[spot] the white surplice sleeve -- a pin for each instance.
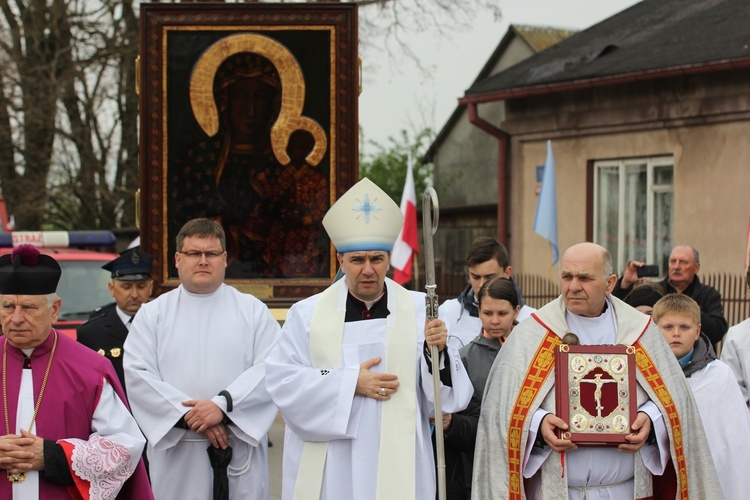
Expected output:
(318, 404)
(253, 410)
(102, 464)
(534, 457)
(156, 403)
(735, 352)
(655, 456)
(455, 397)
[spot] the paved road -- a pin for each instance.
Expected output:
(276, 435)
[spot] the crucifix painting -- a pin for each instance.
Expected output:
(594, 392)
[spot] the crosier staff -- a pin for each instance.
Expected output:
(430, 207)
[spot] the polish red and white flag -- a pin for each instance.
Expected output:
(407, 243)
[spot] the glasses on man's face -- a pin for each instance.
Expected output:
(194, 254)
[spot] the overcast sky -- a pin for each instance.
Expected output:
(397, 95)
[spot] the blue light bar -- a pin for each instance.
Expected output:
(92, 238)
(58, 239)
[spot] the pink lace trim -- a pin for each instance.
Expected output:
(104, 464)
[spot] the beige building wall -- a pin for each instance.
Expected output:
(702, 120)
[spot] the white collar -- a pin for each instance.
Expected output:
(125, 318)
(370, 303)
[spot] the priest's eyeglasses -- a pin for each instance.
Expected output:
(195, 254)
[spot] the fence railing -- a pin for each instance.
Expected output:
(538, 290)
(734, 296)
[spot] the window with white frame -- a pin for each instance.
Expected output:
(633, 209)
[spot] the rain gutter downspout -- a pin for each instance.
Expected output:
(502, 170)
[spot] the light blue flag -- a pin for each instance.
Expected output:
(545, 222)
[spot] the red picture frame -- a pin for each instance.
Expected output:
(304, 59)
(595, 393)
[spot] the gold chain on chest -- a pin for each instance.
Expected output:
(19, 478)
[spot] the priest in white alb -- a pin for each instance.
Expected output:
(519, 453)
(351, 374)
(194, 369)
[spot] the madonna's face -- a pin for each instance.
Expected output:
(251, 109)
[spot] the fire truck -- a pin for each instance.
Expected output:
(83, 284)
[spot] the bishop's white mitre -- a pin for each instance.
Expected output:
(364, 218)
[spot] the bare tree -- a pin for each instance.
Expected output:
(68, 113)
(98, 160)
(36, 40)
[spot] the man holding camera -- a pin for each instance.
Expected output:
(684, 264)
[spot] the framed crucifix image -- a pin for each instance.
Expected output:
(248, 117)
(596, 392)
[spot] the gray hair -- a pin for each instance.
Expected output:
(696, 254)
(50, 298)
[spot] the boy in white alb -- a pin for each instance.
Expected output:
(725, 417)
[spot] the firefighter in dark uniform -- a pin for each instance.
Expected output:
(130, 286)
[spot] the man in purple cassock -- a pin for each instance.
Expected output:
(66, 430)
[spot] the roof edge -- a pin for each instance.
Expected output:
(687, 69)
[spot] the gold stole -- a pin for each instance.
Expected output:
(539, 369)
(397, 452)
(653, 377)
